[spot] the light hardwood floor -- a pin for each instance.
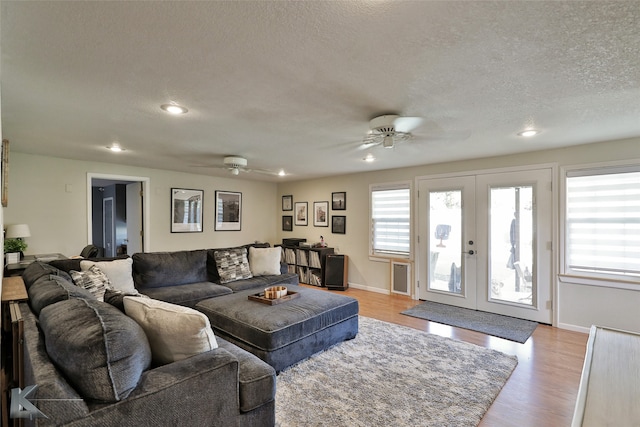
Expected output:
(542, 390)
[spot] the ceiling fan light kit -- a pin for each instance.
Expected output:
(389, 129)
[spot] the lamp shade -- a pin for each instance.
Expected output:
(17, 231)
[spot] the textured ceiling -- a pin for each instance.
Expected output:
(293, 85)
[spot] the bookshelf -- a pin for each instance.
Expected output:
(308, 263)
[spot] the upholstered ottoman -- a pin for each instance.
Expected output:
(285, 333)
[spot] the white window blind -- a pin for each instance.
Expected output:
(391, 221)
(603, 221)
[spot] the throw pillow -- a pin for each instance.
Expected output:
(265, 261)
(118, 272)
(101, 351)
(175, 332)
(93, 280)
(51, 289)
(232, 264)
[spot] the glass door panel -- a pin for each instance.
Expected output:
(511, 244)
(445, 252)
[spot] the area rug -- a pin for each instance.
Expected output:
(506, 327)
(391, 375)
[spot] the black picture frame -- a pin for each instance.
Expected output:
(228, 211)
(339, 224)
(287, 222)
(320, 214)
(301, 214)
(287, 202)
(186, 210)
(339, 201)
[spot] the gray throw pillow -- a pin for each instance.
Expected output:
(232, 264)
(51, 289)
(100, 350)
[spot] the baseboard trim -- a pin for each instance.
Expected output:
(574, 328)
(370, 288)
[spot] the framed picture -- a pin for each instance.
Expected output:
(339, 201)
(287, 203)
(339, 224)
(228, 211)
(287, 222)
(186, 210)
(5, 172)
(321, 214)
(301, 213)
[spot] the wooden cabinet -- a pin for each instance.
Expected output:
(308, 263)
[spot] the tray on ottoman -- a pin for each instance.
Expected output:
(260, 298)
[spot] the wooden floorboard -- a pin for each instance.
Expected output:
(542, 389)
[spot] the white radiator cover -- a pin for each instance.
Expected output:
(401, 277)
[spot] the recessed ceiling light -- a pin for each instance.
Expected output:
(282, 173)
(528, 133)
(174, 108)
(370, 158)
(116, 148)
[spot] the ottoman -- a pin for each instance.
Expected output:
(285, 333)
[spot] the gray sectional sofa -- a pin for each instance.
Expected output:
(94, 364)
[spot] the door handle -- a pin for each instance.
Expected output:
(470, 252)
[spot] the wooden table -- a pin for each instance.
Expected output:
(17, 268)
(610, 385)
(13, 292)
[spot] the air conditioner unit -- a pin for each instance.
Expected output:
(401, 277)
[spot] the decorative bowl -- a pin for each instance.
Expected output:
(275, 292)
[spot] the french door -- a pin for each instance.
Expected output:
(484, 242)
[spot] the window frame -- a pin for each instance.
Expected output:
(582, 276)
(386, 256)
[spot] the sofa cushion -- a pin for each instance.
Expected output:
(51, 289)
(158, 269)
(93, 280)
(174, 332)
(261, 282)
(264, 261)
(69, 264)
(37, 269)
(101, 351)
(232, 264)
(118, 271)
(187, 295)
(212, 268)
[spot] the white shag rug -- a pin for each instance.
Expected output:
(392, 375)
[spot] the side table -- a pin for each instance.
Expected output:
(13, 292)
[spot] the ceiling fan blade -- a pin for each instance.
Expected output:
(407, 124)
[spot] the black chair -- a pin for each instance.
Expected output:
(90, 251)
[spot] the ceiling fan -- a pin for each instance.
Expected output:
(237, 164)
(390, 129)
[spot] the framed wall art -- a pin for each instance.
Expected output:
(339, 201)
(339, 224)
(186, 210)
(321, 214)
(287, 203)
(301, 213)
(228, 211)
(287, 223)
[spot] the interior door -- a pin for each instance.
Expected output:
(485, 242)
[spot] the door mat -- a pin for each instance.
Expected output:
(510, 328)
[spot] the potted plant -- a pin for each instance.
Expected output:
(13, 248)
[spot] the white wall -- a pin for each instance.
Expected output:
(49, 194)
(579, 305)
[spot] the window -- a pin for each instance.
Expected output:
(391, 220)
(603, 222)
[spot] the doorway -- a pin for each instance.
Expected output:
(117, 213)
(485, 242)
